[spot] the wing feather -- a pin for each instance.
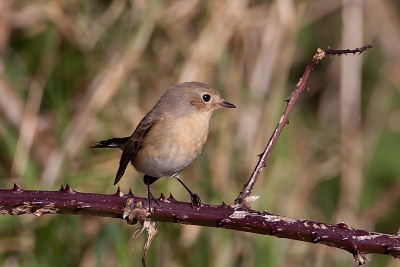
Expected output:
(135, 142)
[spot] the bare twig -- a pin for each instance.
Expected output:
(301, 85)
(349, 51)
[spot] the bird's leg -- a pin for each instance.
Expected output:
(195, 199)
(150, 197)
(148, 180)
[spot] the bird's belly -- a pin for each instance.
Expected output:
(164, 165)
(167, 154)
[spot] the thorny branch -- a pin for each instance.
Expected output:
(67, 201)
(237, 216)
(301, 85)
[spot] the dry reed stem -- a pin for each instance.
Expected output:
(31, 114)
(387, 34)
(11, 105)
(103, 87)
(318, 10)
(350, 115)
(272, 42)
(96, 27)
(207, 49)
(381, 206)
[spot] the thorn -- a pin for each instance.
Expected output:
(343, 225)
(316, 238)
(223, 222)
(130, 192)
(179, 219)
(398, 233)
(68, 189)
(171, 197)
(223, 204)
(119, 192)
(287, 100)
(162, 197)
(308, 88)
(16, 188)
(329, 47)
(287, 123)
(62, 187)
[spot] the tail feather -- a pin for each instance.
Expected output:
(112, 143)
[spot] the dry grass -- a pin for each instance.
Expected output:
(74, 72)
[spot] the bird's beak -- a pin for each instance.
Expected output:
(226, 104)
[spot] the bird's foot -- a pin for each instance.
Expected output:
(196, 201)
(150, 197)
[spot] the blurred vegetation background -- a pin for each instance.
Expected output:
(75, 72)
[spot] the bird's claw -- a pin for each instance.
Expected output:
(196, 200)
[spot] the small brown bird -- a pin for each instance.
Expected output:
(171, 136)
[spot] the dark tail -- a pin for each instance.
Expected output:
(111, 143)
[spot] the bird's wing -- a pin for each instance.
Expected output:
(135, 143)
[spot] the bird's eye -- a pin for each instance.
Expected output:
(206, 97)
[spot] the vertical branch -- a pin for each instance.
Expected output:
(262, 163)
(301, 85)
